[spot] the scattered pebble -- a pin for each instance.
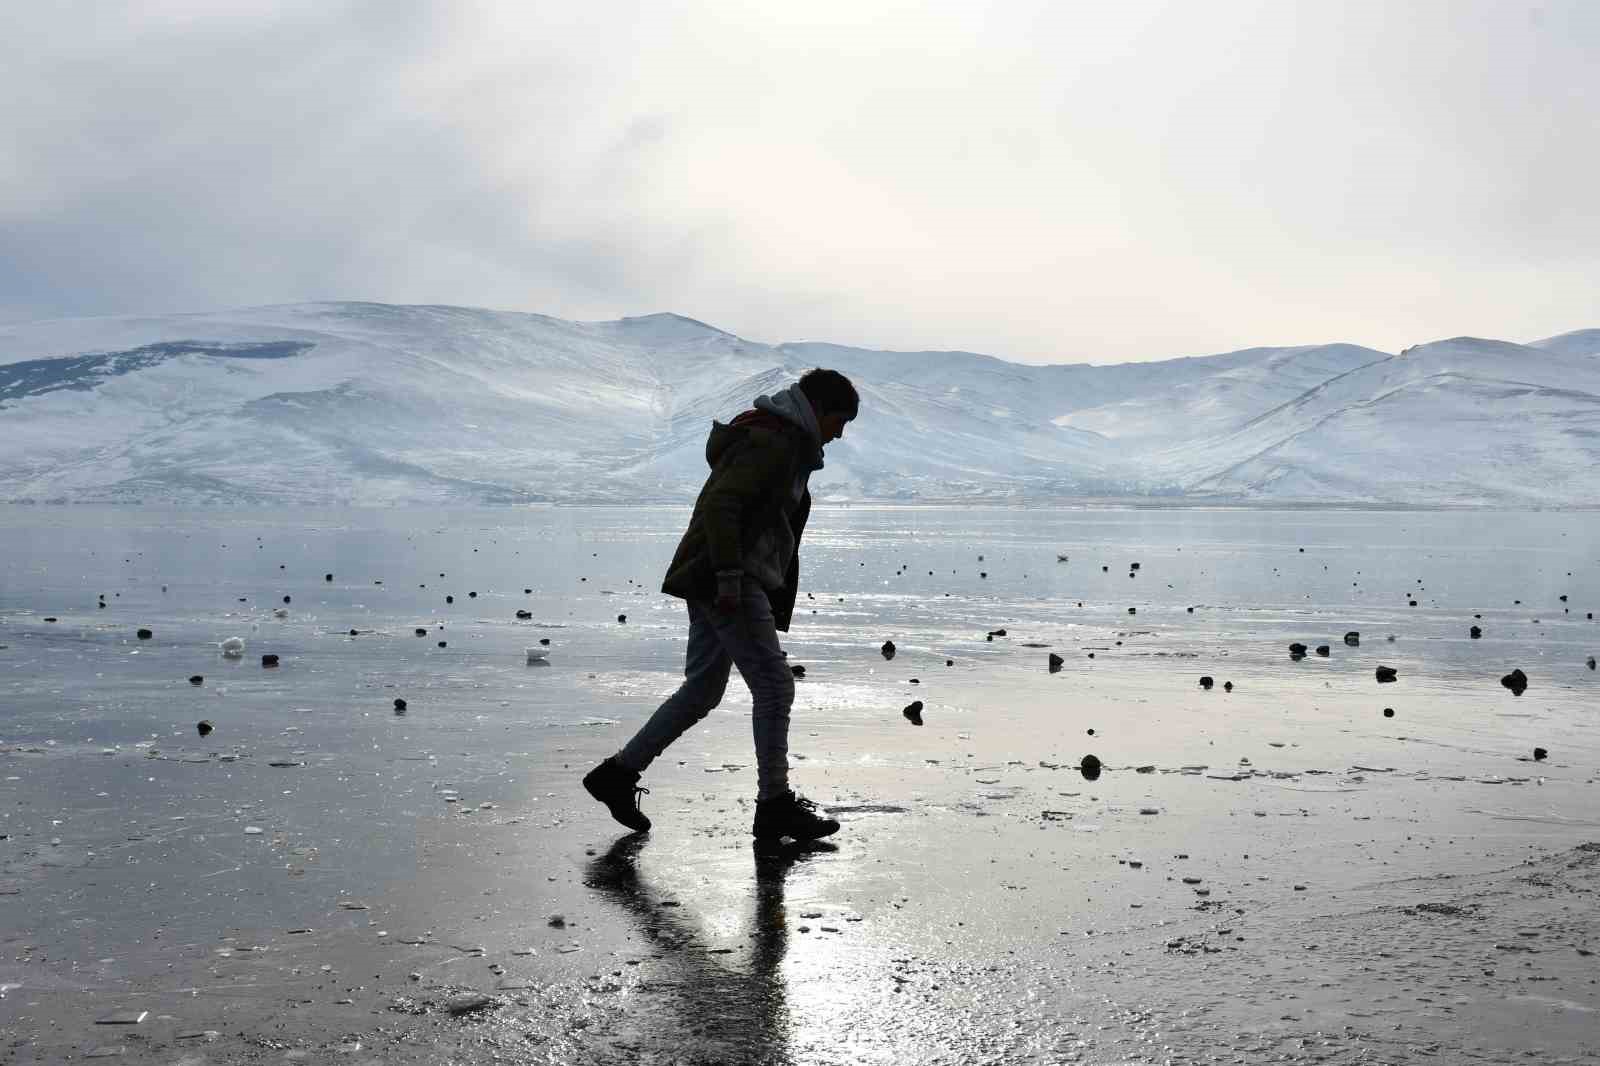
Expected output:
(913, 712)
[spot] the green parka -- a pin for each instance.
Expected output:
(754, 463)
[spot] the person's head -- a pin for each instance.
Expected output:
(833, 399)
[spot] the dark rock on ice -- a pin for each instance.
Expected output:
(1227, 686)
(327, 577)
(1133, 610)
(204, 727)
(1516, 681)
(913, 712)
(1206, 682)
(444, 644)
(1589, 662)
(399, 705)
(797, 670)
(1324, 651)
(1089, 768)
(544, 640)
(449, 599)
(997, 632)
(524, 616)
(52, 618)
(1353, 639)
(887, 649)
(144, 634)
(622, 618)
(419, 631)
(1540, 755)
(472, 595)
(1056, 662)
(1133, 566)
(286, 599)
(1388, 712)
(1297, 651)
(354, 633)
(1475, 633)
(269, 660)
(1386, 674)
(197, 679)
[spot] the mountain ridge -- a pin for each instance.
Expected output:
(368, 403)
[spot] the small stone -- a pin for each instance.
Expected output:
(1475, 633)
(204, 727)
(419, 631)
(449, 599)
(887, 649)
(797, 670)
(1055, 663)
(327, 577)
(1149, 810)
(1388, 712)
(197, 679)
(524, 616)
(399, 705)
(467, 1002)
(1090, 767)
(1206, 682)
(269, 661)
(1386, 674)
(144, 634)
(354, 633)
(1227, 686)
(472, 595)
(952, 662)
(1516, 681)
(622, 618)
(1133, 610)
(913, 712)
(1297, 651)
(444, 644)
(557, 921)
(1589, 662)
(1353, 639)
(1324, 651)
(1540, 755)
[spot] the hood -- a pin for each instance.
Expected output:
(786, 411)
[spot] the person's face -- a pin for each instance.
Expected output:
(832, 427)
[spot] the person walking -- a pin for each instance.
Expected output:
(738, 567)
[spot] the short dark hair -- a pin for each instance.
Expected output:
(830, 393)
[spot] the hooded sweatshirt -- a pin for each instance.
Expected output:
(768, 556)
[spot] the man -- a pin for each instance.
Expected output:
(739, 569)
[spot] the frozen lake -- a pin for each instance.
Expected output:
(144, 861)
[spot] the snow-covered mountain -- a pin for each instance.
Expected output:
(371, 403)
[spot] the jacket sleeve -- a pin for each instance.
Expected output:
(741, 483)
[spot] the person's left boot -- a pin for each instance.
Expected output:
(790, 815)
(618, 788)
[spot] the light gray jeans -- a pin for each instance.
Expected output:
(717, 642)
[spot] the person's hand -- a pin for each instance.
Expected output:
(728, 591)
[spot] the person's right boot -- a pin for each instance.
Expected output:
(790, 815)
(618, 788)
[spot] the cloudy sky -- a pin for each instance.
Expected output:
(1044, 181)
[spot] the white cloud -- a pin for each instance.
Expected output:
(1039, 180)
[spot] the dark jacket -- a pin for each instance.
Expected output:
(754, 463)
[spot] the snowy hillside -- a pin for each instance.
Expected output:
(373, 404)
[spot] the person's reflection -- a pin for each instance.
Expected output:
(714, 1010)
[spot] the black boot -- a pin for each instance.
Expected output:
(790, 815)
(618, 788)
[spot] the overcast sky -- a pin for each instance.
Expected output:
(1048, 182)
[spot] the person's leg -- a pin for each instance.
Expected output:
(705, 677)
(751, 640)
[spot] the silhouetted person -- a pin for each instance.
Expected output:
(739, 569)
